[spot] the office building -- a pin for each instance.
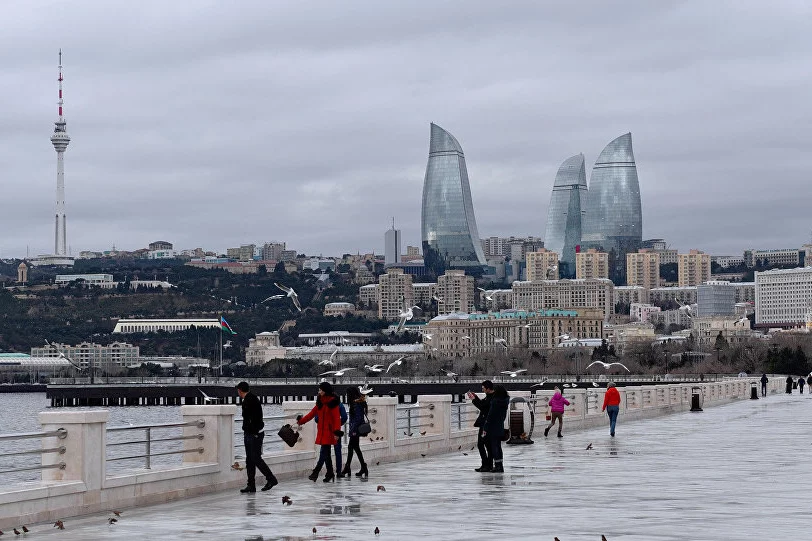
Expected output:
(784, 297)
(455, 292)
(613, 222)
(564, 294)
(715, 298)
(391, 240)
(449, 232)
(565, 213)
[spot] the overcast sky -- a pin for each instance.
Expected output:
(215, 124)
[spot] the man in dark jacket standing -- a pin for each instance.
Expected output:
(483, 405)
(253, 434)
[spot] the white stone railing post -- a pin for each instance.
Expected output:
(382, 418)
(218, 435)
(438, 409)
(85, 446)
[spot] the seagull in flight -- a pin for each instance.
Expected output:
(326, 362)
(290, 293)
(528, 325)
(501, 341)
(337, 373)
(436, 298)
(365, 389)
(514, 373)
(427, 336)
(449, 373)
(406, 315)
(539, 384)
(227, 344)
(272, 298)
(374, 368)
(465, 337)
(396, 362)
(487, 293)
(208, 399)
(607, 366)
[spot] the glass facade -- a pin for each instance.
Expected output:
(565, 213)
(450, 236)
(613, 221)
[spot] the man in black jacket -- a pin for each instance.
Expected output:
(483, 405)
(253, 434)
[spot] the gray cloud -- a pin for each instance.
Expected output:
(213, 124)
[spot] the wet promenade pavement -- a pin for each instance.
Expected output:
(739, 471)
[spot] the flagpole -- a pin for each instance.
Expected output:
(221, 346)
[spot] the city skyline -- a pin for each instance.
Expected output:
(306, 124)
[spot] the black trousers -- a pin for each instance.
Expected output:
(484, 449)
(354, 447)
(253, 458)
(495, 440)
(325, 457)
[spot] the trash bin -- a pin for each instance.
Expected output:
(753, 390)
(696, 398)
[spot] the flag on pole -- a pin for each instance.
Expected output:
(224, 326)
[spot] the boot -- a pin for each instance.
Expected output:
(270, 482)
(559, 435)
(497, 467)
(248, 489)
(314, 475)
(329, 476)
(345, 472)
(485, 467)
(546, 431)
(363, 472)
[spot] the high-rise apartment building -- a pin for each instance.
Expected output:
(394, 293)
(542, 265)
(643, 268)
(449, 231)
(392, 249)
(591, 264)
(693, 268)
(455, 292)
(613, 222)
(272, 251)
(565, 212)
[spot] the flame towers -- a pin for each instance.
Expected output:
(449, 232)
(565, 213)
(613, 221)
(60, 140)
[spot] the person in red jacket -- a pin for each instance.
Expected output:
(328, 429)
(611, 405)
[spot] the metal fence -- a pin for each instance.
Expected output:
(166, 443)
(14, 451)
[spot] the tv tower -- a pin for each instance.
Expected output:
(60, 140)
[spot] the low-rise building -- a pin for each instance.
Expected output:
(681, 295)
(565, 294)
(631, 294)
(706, 330)
(263, 348)
(88, 355)
(126, 326)
(98, 280)
(336, 338)
(470, 335)
(338, 308)
(642, 312)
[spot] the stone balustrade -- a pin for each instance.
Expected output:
(84, 486)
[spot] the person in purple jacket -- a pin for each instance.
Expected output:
(557, 403)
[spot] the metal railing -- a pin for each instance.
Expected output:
(407, 418)
(60, 433)
(148, 441)
(463, 415)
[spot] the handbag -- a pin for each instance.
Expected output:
(364, 428)
(289, 435)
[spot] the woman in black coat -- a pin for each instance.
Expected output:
(789, 384)
(494, 426)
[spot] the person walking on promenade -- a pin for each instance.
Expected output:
(764, 381)
(328, 429)
(809, 382)
(342, 414)
(557, 403)
(611, 405)
(801, 383)
(357, 403)
(494, 427)
(483, 405)
(789, 384)
(253, 433)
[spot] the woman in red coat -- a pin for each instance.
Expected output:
(328, 428)
(611, 405)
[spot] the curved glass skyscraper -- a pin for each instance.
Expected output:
(450, 236)
(614, 222)
(564, 215)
